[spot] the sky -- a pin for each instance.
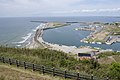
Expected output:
(42, 8)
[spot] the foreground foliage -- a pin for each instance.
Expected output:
(10, 72)
(115, 70)
(60, 60)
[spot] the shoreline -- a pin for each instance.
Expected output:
(93, 37)
(38, 42)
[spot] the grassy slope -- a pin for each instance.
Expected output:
(8, 72)
(58, 60)
(38, 56)
(109, 57)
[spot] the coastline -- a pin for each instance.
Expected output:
(102, 34)
(38, 42)
(34, 43)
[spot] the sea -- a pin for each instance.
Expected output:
(18, 31)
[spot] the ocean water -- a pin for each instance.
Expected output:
(15, 31)
(18, 31)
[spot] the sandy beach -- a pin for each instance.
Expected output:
(38, 42)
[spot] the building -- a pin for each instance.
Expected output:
(86, 56)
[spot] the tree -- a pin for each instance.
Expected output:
(114, 70)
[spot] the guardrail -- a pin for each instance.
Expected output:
(44, 69)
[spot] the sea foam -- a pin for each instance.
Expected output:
(25, 38)
(29, 34)
(18, 45)
(38, 27)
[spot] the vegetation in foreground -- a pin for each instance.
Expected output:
(8, 72)
(63, 61)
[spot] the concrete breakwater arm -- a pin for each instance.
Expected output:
(37, 34)
(35, 43)
(38, 42)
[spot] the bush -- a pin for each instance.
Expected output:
(114, 71)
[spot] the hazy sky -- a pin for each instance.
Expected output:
(35, 8)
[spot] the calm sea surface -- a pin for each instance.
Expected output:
(17, 31)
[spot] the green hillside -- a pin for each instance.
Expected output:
(57, 59)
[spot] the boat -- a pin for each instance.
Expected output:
(93, 42)
(76, 29)
(98, 42)
(85, 41)
(108, 43)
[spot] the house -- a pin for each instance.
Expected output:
(86, 56)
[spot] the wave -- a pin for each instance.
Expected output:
(25, 38)
(38, 27)
(29, 34)
(18, 45)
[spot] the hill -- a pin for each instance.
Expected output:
(63, 61)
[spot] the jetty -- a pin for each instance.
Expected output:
(39, 21)
(38, 42)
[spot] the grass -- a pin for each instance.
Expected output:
(117, 58)
(109, 53)
(50, 58)
(95, 40)
(60, 60)
(90, 40)
(8, 72)
(113, 28)
(106, 60)
(100, 36)
(109, 57)
(117, 29)
(38, 56)
(60, 24)
(11, 73)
